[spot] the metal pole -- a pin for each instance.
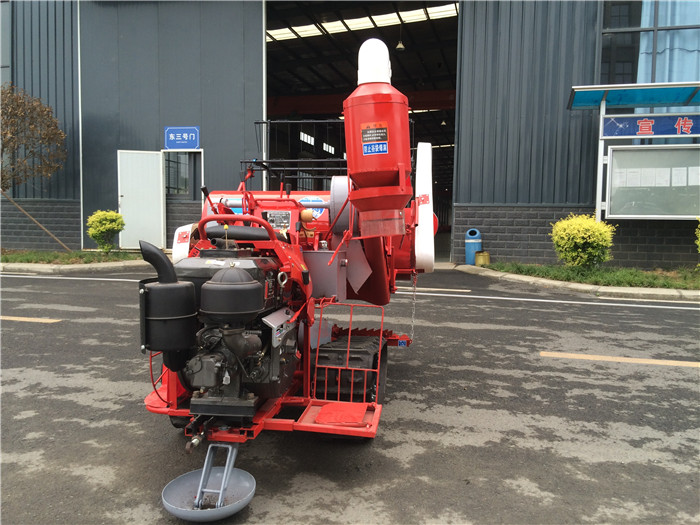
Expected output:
(601, 161)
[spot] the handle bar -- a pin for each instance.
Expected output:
(226, 217)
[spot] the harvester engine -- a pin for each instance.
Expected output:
(245, 347)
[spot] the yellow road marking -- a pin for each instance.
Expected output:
(635, 360)
(29, 319)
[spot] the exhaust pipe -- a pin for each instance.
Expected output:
(159, 261)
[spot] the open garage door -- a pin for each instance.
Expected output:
(141, 197)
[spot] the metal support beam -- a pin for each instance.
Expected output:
(333, 104)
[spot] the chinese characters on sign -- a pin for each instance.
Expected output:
(181, 137)
(375, 136)
(684, 125)
(645, 126)
(374, 148)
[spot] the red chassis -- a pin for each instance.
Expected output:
(294, 232)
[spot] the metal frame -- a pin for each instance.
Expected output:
(602, 175)
(640, 137)
(608, 186)
(602, 205)
(637, 87)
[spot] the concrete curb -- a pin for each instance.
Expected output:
(53, 269)
(620, 292)
(653, 294)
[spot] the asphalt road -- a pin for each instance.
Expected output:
(487, 419)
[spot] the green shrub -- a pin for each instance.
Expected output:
(103, 226)
(580, 240)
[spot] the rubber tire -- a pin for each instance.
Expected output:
(179, 421)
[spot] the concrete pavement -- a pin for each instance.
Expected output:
(654, 294)
(490, 417)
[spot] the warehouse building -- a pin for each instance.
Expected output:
(157, 98)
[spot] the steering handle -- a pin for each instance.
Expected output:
(230, 217)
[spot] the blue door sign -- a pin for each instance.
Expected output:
(181, 137)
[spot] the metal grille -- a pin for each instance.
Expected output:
(347, 366)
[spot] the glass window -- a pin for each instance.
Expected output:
(654, 52)
(620, 58)
(679, 13)
(678, 56)
(176, 176)
(662, 182)
(182, 173)
(617, 15)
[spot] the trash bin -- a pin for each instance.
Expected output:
(482, 259)
(472, 244)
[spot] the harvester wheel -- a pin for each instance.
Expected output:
(179, 421)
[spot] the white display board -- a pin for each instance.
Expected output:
(660, 181)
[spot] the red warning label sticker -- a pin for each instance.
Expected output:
(374, 132)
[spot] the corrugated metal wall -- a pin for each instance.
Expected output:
(147, 65)
(44, 63)
(5, 41)
(516, 143)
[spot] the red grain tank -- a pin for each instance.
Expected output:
(378, 146)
